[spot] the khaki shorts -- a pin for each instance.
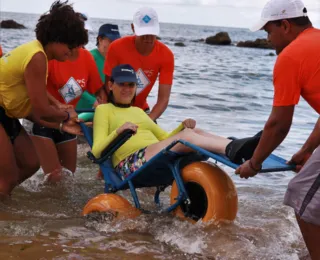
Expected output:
(303, 193)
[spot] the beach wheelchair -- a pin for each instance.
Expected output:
(201, 190)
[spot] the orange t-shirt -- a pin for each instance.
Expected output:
(297, 71)
(68, 80)
(159, 62)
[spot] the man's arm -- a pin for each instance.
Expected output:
(314, 139)
(162, 101)
(302, 156)
(102, 94)
(275, 131)
(106, 86)
(69, 127)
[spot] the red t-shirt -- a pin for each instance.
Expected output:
(0, 51)
(297, 71)
(68, 80)
(159, 62)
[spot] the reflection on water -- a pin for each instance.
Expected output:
(229, 91)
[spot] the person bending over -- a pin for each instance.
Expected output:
(23, 76)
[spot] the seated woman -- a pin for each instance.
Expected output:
(113, 118)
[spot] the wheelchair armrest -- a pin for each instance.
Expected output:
(112, 147)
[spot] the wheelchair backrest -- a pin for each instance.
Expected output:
(88, 133)
(110, 175)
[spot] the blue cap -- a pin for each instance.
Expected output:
(124, 73)
(110, 31)
(84, 16)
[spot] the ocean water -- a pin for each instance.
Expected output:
(229, 91)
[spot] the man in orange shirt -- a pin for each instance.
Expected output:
(296, 73)
(149, 57)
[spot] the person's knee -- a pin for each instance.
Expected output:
(187, 134)
(198, 130)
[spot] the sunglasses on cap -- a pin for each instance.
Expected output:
(130, 84)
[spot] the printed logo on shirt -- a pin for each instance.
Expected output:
(149, 73)
(71, 90)
(143, 81)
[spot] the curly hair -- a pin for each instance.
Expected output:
(61, 25)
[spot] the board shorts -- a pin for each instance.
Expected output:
(132, 163)
(12, 126)
(54, 134)
(303, 193)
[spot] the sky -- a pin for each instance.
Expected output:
(229, 13)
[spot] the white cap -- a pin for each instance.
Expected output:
(279, 10)
(146, 22)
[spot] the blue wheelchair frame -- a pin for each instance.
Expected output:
(162, 169)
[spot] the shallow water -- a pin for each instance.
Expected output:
(229, 91)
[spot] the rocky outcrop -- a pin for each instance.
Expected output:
(179, 44)
(221, 38)
(258, 43)
(11, 24)
(198, 40)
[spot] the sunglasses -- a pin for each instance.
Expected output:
(130, 84)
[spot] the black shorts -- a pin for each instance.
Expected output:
(51, 133)
(12, 126)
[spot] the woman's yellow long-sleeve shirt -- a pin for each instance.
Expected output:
(108, 118)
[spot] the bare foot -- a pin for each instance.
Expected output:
(58, 175)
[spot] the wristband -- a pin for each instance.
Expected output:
(251, 166)
(68, 117)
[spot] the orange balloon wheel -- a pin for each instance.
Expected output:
(211, 191)
(113, 203)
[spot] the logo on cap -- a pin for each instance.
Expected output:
(128, 70)
(146, 19)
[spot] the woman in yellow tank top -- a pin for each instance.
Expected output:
(23, 74)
